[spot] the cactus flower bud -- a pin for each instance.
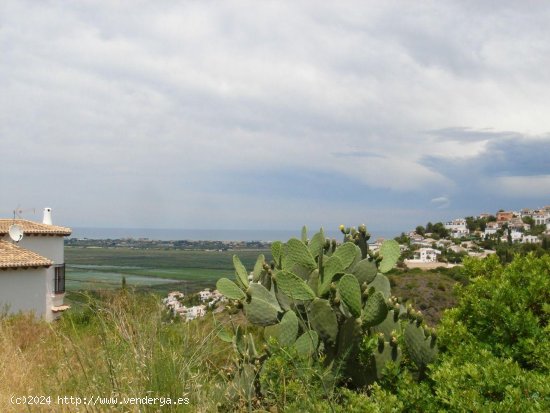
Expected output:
(362, 228)
(381, 340)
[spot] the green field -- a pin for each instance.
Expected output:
(150, 269)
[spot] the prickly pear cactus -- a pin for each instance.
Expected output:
(323, 298)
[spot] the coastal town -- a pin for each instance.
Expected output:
(477, 236)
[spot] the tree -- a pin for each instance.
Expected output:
(420, 230)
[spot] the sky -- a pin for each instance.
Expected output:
(273, 114)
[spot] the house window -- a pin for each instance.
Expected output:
(59, 287)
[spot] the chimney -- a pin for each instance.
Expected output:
(47, 216)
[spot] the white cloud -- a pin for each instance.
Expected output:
(535, 186)
(441, 202)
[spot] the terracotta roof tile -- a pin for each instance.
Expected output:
(13, 256)
(33, 228)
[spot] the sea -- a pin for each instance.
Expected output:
(162, 234)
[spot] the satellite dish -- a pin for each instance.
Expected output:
(16, 232)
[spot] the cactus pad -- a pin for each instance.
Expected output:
(229, 289)
(347, 252)
(316, 244)
(382, 284)
(276, 252)
(298, 254)
(293, 286)
(350, 292)
(384, 354)
(286, 331)
(365, 271)
(240, 272)
(332, 266)
(313, 281)
(390, 323)
(390, 253)
(375, 310)
(323, 320)
(258, 268)
(420, 348)
(304, 234)
(307, 343)
(263, 308)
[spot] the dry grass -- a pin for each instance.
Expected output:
(121, 345)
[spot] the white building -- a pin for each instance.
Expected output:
(457, 227)
(32, 270)
(425, 255)
(491, 228)
(205, 295)
(195, 312)
(530, 239)
(173, 302)
(541, 219)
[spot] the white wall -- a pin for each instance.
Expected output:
(51, 247)
(26, 290)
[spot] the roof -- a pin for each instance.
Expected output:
(13, 256)
(33, 228)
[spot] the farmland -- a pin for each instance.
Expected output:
(150, 269)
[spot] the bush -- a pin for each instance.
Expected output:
(504, 309)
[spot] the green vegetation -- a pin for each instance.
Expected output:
(326, 302)
(506, 251)
(148, 269)
(437, 230)
(285, 352)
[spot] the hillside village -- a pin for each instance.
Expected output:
(447, 243)
(178, 304)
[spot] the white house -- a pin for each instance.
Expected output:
(530, 239)
(425, 255)
(541, 219)
(205, 295)
(491, 228)
(32, 269)
(457, 227)
(196, 311)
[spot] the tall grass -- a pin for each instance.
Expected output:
(121, 345)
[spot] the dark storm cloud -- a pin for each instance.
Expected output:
(106, 102)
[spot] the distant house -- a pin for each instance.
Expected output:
(205, 295)
(530, 239)
(503, 217)
(541, 219)
(173, 302)
(491, 228)
(457, 227)
(425, 255)
(32, 270)
(415, 238)
(195, 312)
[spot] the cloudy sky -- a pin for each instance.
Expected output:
(247, 114)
